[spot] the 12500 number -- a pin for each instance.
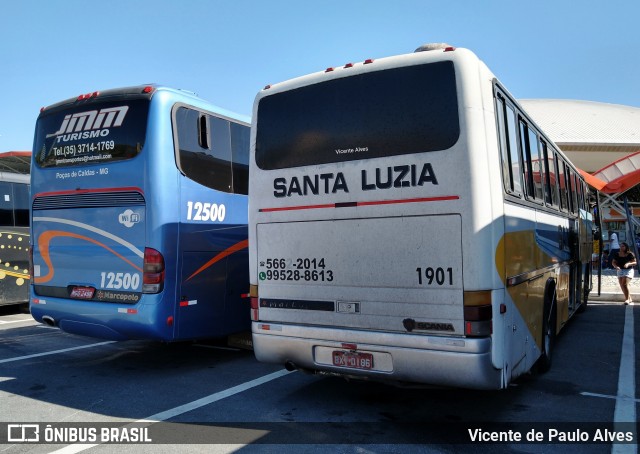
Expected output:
(117, 281)
(204, 212)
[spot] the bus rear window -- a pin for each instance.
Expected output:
(91, 133)
(397, 111)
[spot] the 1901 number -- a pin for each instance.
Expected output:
(438, 276)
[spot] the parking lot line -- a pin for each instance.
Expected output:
(625, 411)
(603, 396)
(173, 412)
(54, 352)
(3, 322)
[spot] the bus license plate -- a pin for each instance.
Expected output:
(83, 293)
(353, 360)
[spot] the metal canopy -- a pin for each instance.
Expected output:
(15, 162)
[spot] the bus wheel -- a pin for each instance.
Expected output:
(548, 331)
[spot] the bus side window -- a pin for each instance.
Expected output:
(562, 184)
(525, 156)
(579, 193)
(221, 154)
(536, 164)
(21, 204)
(203, 131)
(574, 192)
(568, 175)
(209, 166)
(240, 136)
(514, 160)
(507, 177)
(571, 198)
(6, 204)
(550, 176)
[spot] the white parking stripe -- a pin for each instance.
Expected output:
(173, 412)
(603, 396)
(625, 411)
(54, 352)
(3, 322)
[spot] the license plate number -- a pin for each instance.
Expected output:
(83, 293)
(353, 360)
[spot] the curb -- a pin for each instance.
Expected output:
(610, 294)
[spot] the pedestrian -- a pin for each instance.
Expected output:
(614, 246)
(624, 262)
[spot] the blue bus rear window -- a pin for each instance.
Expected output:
(91, 133)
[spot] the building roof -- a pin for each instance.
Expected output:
(586, 122)
(591, 134)
(15, 162)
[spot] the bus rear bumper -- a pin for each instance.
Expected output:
(397, 358)
(101, 320)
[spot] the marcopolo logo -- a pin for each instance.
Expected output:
(129, 218)
(90, 124)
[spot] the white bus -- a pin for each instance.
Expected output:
(408, 222)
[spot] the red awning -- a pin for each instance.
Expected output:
(592, 181)
(617, 177)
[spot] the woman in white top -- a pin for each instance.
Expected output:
(624, 261)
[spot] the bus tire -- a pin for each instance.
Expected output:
(548, 330)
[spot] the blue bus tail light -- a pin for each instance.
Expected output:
(152, 271)
(84, 97)
(31, 262)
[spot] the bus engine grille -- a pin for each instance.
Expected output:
(88, 200)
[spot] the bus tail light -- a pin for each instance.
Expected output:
(84, 97)
(255, 303)
(31, 262)
(478, 314)
(152, 271)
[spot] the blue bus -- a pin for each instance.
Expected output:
(14, 227)
(139, 216)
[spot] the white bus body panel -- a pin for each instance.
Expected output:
(381, 282)
(373, 292)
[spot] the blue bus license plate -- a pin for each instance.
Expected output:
(82, 293)
(353, 360)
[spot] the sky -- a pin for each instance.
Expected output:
(228, 50)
